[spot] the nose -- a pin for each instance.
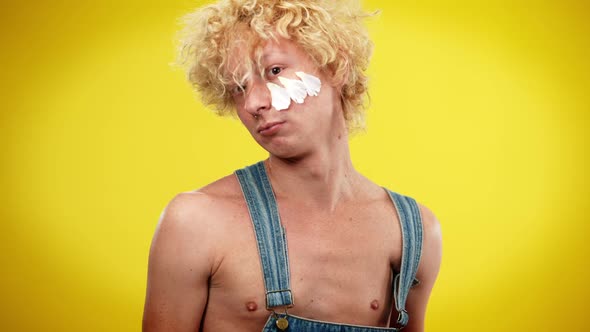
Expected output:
(258, 97)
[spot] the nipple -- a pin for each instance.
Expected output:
(251, 306)
(375, 305)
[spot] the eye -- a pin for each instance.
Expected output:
(237, 90)
(275, 70)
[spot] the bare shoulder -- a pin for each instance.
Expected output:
(193, 222)
(430, 224)
(186, 250)
(226, 188)
(193, 208)
(428, 269)
(431, 247)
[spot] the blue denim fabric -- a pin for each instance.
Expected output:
(297, 324)
(272, 248)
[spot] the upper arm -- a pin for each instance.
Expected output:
(427, 271)
(180, 263)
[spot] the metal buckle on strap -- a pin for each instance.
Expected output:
(400, 319)
(279, 291)
(281, 321)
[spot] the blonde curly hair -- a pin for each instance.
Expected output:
(331, 32)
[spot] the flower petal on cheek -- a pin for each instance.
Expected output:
(312, 83)
(280, 96)
(295, 88)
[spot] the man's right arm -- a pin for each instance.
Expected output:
(180, 263)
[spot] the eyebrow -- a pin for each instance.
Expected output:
(270, 58)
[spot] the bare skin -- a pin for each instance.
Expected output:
(342, 230)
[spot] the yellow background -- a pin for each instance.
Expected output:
(478, 110)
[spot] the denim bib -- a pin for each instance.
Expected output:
(272, 247)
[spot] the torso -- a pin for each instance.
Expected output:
(340, 262)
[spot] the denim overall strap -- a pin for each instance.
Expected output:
(411, 227)
(270, 234)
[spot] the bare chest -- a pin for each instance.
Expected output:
(340, 266)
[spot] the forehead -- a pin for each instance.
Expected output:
(247, 55)
(282, 47)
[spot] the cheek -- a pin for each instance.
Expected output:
(241, 116)
(293, 91)
(247, 120)
(241, 113)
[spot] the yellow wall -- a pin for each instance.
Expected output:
(479, 111)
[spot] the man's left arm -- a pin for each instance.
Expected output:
(427, 273)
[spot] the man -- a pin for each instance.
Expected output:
(293, 72)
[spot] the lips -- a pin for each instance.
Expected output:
(270, 128)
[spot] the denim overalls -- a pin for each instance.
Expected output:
(272, 247)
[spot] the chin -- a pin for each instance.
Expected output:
(283, 153)
(284, 146)
(283, 150)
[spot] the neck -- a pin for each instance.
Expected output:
(322, 179)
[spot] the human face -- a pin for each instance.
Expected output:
(294, 131)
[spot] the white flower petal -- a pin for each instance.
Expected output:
(280, 96)
(295, 88)
(312, 83)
